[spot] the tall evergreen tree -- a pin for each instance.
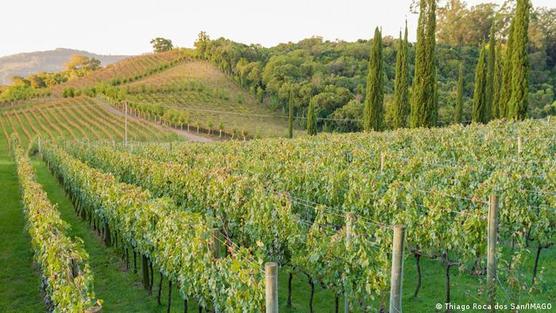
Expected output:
(401, 100)
(373, 115)
(423, 93)
(433, 117)
(497, 110)
(491, 62)
(520, 61)
(312, 119)
(506, 87)
(479, 110)
(458, 111)
(290, 116)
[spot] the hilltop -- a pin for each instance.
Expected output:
(24, 64)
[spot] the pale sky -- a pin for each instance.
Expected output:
(127, 26)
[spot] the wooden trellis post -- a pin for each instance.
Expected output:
(349, 226)
(271, 283)
(491, 252)
(396, 275)
(125, 134)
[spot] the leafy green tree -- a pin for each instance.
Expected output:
(201, 44)
(20, 81)
(451, 22)
(38, 81)
(520, 62)
(458, 111)
(161, 44)
(423, 104)
(489, 86)
(17, 92)
(459, 25)
(348, 116)
(373, 116)
(401, 99)
(82, 63)
(331, 99)
(312, 119)
(478, 113)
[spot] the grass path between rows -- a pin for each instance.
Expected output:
(19, 280)
(120, 290)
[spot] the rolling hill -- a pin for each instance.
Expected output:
(168, 94)
(207, 99)
(126, 70)
(179, 90)
(24, 64)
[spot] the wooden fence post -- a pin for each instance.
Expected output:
(94, 309)
(271, 282)
(216, 247)
(125, 126)
(491, 252)
(396, 276)
(349, 226)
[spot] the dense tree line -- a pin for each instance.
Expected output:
(510, 99)
(333, 75)
(36, 85)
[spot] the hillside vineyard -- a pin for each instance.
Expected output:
(410, 172)
(324, 205)
(75, 119)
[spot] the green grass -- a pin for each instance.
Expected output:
(465, 289)
(19, 280)
(120, 290)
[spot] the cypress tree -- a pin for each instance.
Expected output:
(491, 62)
(506, 85)
(312, 119)
(423, 103)
(520, 62)
(497, 111)
(433, 117)
(374, 100)
(401, 100)
(290, 116)
(458, 114)
(478, 113)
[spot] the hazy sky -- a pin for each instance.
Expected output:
(126, 26)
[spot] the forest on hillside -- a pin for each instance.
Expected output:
(332, 74)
